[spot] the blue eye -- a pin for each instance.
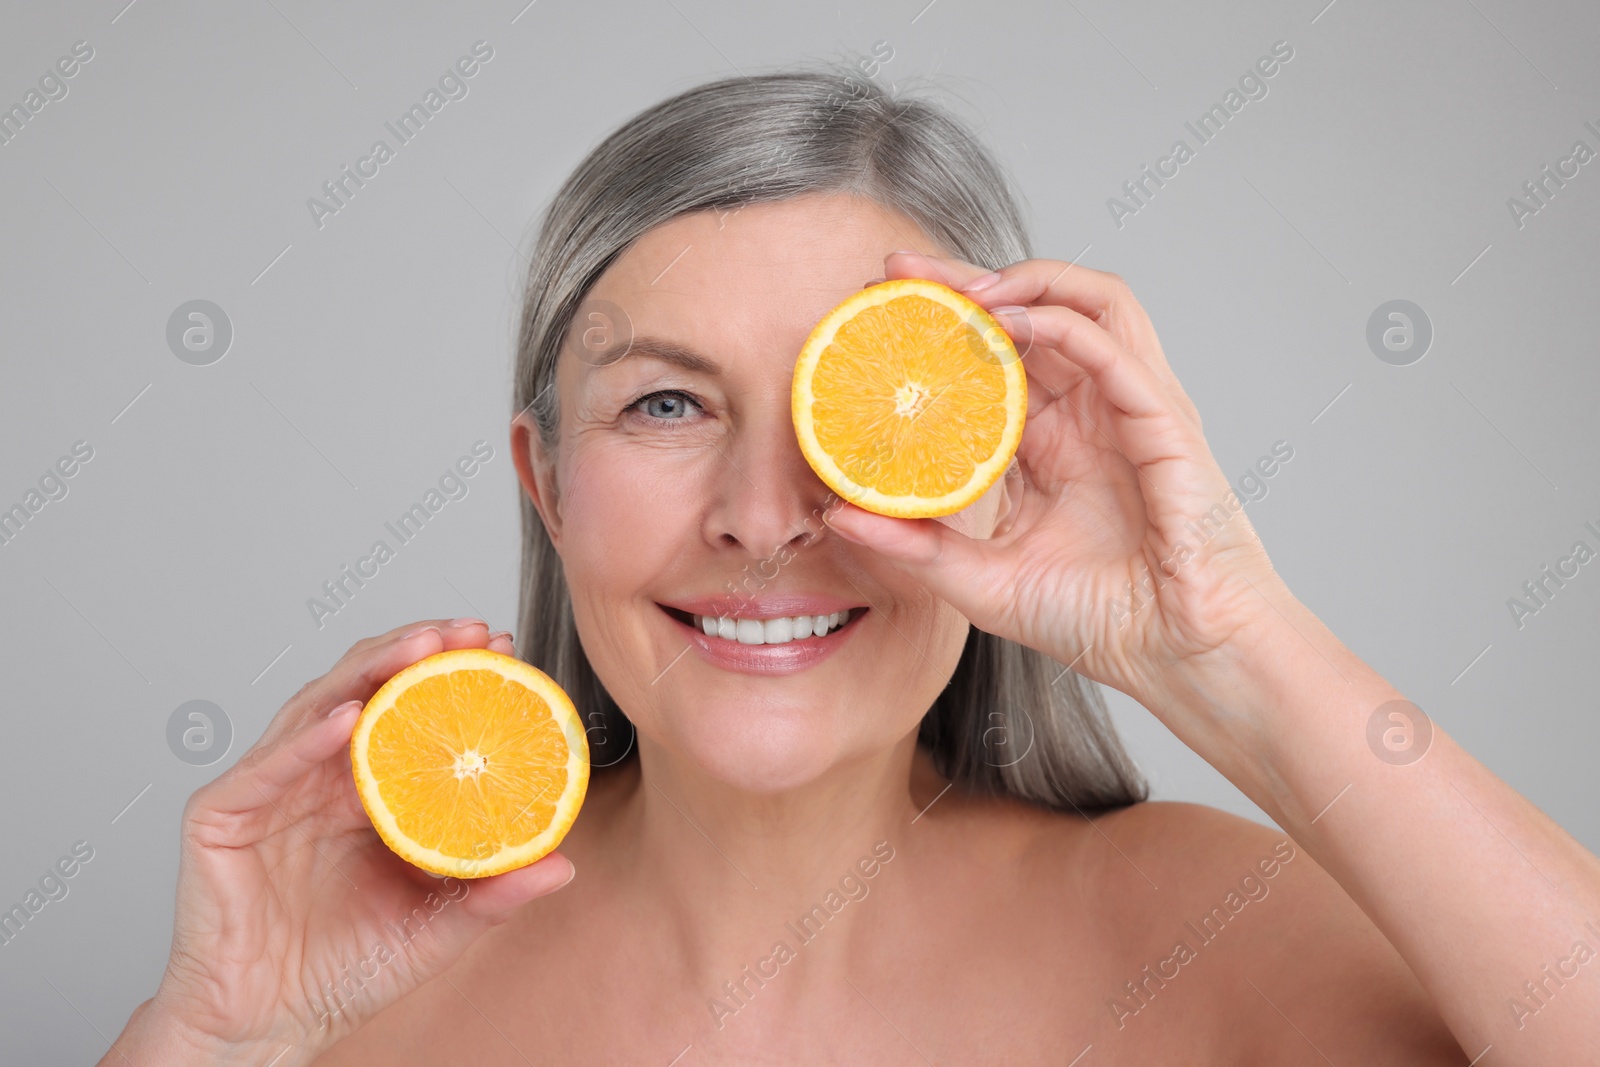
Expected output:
(668, 405)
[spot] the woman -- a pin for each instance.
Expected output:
(914, 838)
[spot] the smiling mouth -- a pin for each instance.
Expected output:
(778, 631)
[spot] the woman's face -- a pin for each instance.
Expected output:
(679, 491)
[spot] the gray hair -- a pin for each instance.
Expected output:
(1011, 721)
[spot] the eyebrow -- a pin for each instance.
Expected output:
(658, 348)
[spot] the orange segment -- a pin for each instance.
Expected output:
(909, 399)
(470, 763)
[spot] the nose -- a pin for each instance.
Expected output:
(768, 497)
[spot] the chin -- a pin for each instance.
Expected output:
(762, 750)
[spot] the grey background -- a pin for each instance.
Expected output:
(370, 354)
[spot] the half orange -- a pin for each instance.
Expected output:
(470, 763)
(909, 399)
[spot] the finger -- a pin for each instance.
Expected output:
(957, 274)
(368, 664)
(912, 264)
(1092, 293)
(480, 903)
(410, 629)
(494, 897)
(953, 566)
(268, 773)
(1049, 380)
(1130, 386)
(1098, 295)
(289, 747)
(1048, 376)
(271, 768)
(1146, 426)
(456, 633)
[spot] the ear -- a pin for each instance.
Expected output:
(536, 472)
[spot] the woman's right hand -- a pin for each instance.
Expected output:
(285, 890)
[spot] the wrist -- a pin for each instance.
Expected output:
(159, 1033)
(1281, 709)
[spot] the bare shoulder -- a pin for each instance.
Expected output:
(1244, 923)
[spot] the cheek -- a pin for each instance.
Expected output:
(947, 636)
(623, 517)
(624, 522)
(918, 644)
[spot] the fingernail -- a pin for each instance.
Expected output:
(905, 252)
(503, 633)
(875, 281)
(418, 630)
(982, 282)
(571, 876)
(346, 706)
(466, 622)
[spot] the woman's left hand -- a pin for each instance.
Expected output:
(1116, 558)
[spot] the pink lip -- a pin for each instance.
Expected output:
(787, 658)
(765, 606)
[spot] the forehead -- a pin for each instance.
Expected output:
(761, 275)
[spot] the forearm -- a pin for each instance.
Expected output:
(1478, 890)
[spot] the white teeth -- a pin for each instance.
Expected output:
(770, 631)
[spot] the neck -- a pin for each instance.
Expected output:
(731, 871)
